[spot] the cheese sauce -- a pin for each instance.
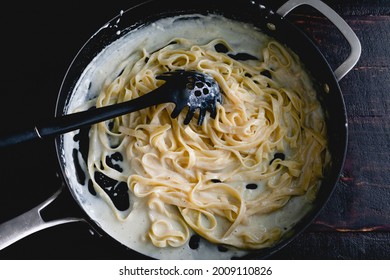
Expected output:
(244, 39)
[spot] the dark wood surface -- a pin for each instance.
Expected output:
(40, 40)
(355, 224)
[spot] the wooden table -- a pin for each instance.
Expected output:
(355, 224)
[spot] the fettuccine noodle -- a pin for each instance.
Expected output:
(266, 145)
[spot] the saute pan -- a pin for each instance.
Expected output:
(271, 22)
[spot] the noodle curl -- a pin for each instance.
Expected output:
(266, 145)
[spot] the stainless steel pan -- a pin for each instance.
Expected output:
(271, 22)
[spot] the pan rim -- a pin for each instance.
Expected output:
(265, 253)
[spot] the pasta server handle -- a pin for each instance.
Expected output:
(183, 88)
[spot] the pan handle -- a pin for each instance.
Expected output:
(340, 23)
(29, 223)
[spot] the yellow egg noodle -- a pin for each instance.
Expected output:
(195, 178)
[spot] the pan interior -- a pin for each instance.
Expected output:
(244, 38)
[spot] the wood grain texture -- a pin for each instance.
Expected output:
(362, 196)
(336, 246)
(355, 224)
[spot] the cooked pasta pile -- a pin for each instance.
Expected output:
(266, 145)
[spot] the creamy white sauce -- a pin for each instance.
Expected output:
(107, 65)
